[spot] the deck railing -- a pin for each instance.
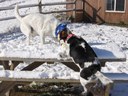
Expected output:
(39, 5)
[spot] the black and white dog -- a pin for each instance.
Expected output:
(81, 52)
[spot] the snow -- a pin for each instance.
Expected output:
(44, 71)
(12, 44)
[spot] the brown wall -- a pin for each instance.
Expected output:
(95, 11)
(78, 15)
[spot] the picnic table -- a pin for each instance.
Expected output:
(106, 52)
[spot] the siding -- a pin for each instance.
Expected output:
(95, 11)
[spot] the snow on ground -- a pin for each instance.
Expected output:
(56, 70)
(106, 34)
(11, 38)
(13, 44)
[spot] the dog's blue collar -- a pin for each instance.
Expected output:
(60, 28)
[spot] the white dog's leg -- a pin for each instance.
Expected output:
(42, 34)
(26, 30)
(28, 40)
(42, 39)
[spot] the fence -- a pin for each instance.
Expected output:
(39, 5)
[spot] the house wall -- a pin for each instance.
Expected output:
(77, 15)
(95, 11)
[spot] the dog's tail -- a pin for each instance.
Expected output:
(17, 15)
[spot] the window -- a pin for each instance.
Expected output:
(115, 5)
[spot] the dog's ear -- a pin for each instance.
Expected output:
(63, 35)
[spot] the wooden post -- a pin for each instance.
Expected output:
(40, 7)
(83, 3)
(5, 64)
(72, 66)
(106, 82)
(78, 12)
(14, 64)
(108, 89)
(74, 12)
(5, 86)
(33, 66)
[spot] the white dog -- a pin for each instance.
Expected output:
(41, 24)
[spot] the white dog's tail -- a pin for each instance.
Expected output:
(17, 15)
